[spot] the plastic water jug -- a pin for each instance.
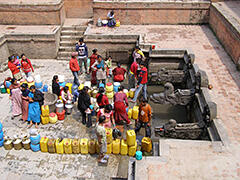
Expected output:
(44, 120)
(59, 146)
(26, 144)
(67, 144)
(84, 146)
(1, 135)
(110, 95)
(38, 85)
(53, 118)
(8, 84)
(1, 142)
(61, 115)
(8, 91)
(131, 137)
(124, 147)
(116, 86)
(45, 88)
(92, 146)
(69, 85)
(132, 93)
(0, 126)
(35, 147)
(51, 145)
(135, 112)
(126, 92)
(35, 139)
(146, 144)
(116, 146)
(109, 135)
(7, 144)
(44, 144)
(139, 155)
(109, 87)
(76, 146)
(59, 106)
(132, 149)
(109, 148)
(45, 110)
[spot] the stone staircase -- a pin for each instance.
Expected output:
(69, 36)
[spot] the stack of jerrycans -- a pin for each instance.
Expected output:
(76, 146)
(109, 140)
(45, 114)
(131, 141)
(59, 146)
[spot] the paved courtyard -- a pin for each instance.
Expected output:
(180, 160)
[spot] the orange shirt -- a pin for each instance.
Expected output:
(145, 113)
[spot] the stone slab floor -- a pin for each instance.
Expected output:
(180, 159)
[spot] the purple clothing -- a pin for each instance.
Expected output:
(121, 97)
(16, 95)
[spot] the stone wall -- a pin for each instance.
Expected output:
(227, 31)
(153, 12)
(3, 50)
(78, 8)
(40, 46)
(48, 12)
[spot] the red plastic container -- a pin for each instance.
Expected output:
(61, 115)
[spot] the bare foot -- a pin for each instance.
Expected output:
(36, 125)
(30, 125)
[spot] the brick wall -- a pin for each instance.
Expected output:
(78, 8)
(225, 31)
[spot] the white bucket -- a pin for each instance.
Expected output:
(88, 84)
(37, 78)
(61, 78)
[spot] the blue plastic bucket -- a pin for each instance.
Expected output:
(35, 139)
(1, 135)
(62, 84)
(38, 85)
(35, 147)
(138, 155)
(116, 86)
(101, 85)
(1, 142)
(8, 84)
(0, 126)
(45, 88)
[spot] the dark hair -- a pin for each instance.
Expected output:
(118, 64)
(32, 87)
(55, 77)
(13, 80)
(24, 85)
(81, 40)
(101, 91)
(85, 88)
(10, 58)
(99, 56)
(112, 12)
(22, 55)
(108, 107)
(94, 50)
(138, 60)
(120, 88)
(144, 100)
(137, 47)
(142, 63)
(66, 88)
(109, 57)
(101, 119)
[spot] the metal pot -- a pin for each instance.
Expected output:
(59, 106)
(68, 107)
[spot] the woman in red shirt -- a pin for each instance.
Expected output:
(13, 68)
(93, 59)
(26, 65)
(102, 99)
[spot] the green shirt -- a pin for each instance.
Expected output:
(109, 63)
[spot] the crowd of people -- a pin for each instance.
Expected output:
(27, 101)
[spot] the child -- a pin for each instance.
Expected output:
(144, 118)
(102, 141)
(109, 66)
(17, 62)
(66, 95)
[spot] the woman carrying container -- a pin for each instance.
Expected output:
(120, 105)
(102, 99)
(108, 113)
(16, 98)
(25, 101)
(26, 65)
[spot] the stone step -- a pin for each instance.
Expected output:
(64, 54)
(112, 41)
(112, 36)
(67, 48)
(68, 43)
(71, 33)
(78, 28)
(63, 58)
(70, 38)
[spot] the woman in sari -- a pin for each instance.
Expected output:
(34, 111)
(16, 98)
(25, 101)
(120, 104)
(108, 113)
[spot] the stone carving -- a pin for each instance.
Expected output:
(171, 96)
(173, 129)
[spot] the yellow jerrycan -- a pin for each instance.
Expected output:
(51, 146)
(97, 147)
(45, 110)
(131, 93)
(109, 135)
(109, 148)
(135, 112)
(59, 146)
(45, 119)
(69, 85)
(146, 144)
(76, 146)
(124, 147)
(92, 146)
(67, 144)
(130, 113)
(44, 144)
(116, 146)
(132, 149)
(131, 137)
(84, 146)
